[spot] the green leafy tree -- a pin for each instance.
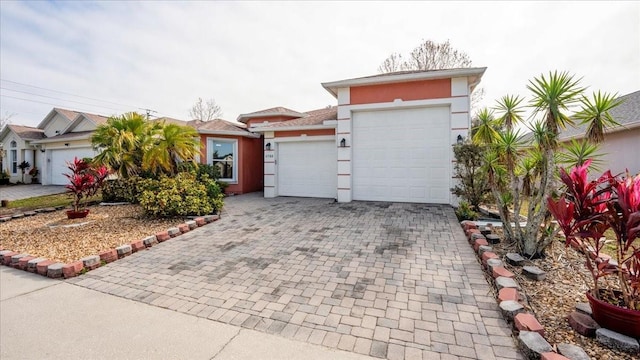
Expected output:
(472, 186)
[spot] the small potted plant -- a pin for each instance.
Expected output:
(584, 212)
(4, 178)
(84, 181)
(34, 172)
(23, 166)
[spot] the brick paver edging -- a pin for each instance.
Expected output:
(52, 269)
(525, 326)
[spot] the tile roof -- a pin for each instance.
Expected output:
(275, 111)
(98, 119)
(70, 114)
(627, 114)
(27, 132)
(217, 125)
(169, 120)
(313, 117)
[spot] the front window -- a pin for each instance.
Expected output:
(13, 158)
(223, 155)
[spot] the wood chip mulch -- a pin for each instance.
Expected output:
(52, 236)
(554, 298)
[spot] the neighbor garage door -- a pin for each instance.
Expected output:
(58, 166)
(307, 169)
(402, 155)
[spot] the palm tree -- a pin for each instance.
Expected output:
(596, 114)
(577, 153)
(510, 109)
(122, 141)
(485, 129)
(172, 144)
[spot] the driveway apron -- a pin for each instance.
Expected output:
(388, 280)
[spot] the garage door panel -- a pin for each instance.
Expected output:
(307, 169)
(402, 155)
(58, 159)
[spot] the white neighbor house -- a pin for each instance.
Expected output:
(60, 136)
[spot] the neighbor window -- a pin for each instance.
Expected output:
(223, 155)
(13, 157)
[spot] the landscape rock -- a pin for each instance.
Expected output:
(32, 264)
(137, 246)
(584, 308)
(534, 273)
(42, 266)
(15, 259)
(515, 259)
(22, 263)
(55, 270)
(91, 262)
(508, 294)
(533, 344)
(510, 309)
(573, 352)
(17, 216)
(583, 324)
(488, 255)
(6, 256)
(163, 236)
(491, 263)
(149, 241)
(479, 242)
(184, 228)
(499, 271)
(617, 341)
(109, 255)
(124, 250)
(485, 230)
(192, 224)
(73, 269)
(29, 213)
(492, 238)
(483, 249)
(528, 322)
(5, 218)
(173, 231)
(505, 282)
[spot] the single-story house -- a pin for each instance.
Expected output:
(16, 146)
(621, 146)
(236, 152)
(389, 139)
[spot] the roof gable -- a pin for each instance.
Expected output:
(313, 118)
(220, 126)
(271, 112)
(475, 74)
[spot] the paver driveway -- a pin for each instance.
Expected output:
(384, 279)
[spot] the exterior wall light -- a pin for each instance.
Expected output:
(460, 139)
(268, 146)
(343, 142)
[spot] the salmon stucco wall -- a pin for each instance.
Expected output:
(250, 170)
(414, 90)
(317, 132)
(268, 119)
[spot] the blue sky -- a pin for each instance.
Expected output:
(255, 55)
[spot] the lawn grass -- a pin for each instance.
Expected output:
(44, 201)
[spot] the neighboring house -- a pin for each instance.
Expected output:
(236, 152)
(621, 146)
(390, 139)
(60, 136)
(16, 146)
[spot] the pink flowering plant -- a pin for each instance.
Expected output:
(84, 181)
(586, 210)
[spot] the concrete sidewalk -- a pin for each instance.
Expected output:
(17, 192)
(42, 318)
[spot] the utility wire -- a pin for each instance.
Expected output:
(56, 98)
(67, 93)
(40, 102)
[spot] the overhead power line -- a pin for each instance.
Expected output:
(41, 102)
(56, 98)
(67, 93)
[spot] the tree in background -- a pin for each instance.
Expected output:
(205, 110)
(430, 55)
(5, 119)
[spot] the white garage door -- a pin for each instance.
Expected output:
(307, 169)
(58, 166)
(402, 155)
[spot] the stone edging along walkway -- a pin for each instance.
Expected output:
(52, 269)
(530, 333)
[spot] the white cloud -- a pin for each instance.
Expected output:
(255, 55)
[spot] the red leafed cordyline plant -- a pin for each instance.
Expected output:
(589, 208)
(84, 181)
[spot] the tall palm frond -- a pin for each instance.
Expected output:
(595, 114)
(484, 132)
(543, 138)
(553, 96)
(173, 144)
(508, 144)
(510, 110)
(576, 153)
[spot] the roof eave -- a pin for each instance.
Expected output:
(242, 118)
(333, 86)
(55, 139)
(295, 128)
(228, 132)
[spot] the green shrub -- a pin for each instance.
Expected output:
(465, 212)
(121, 189)
(181, 195)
